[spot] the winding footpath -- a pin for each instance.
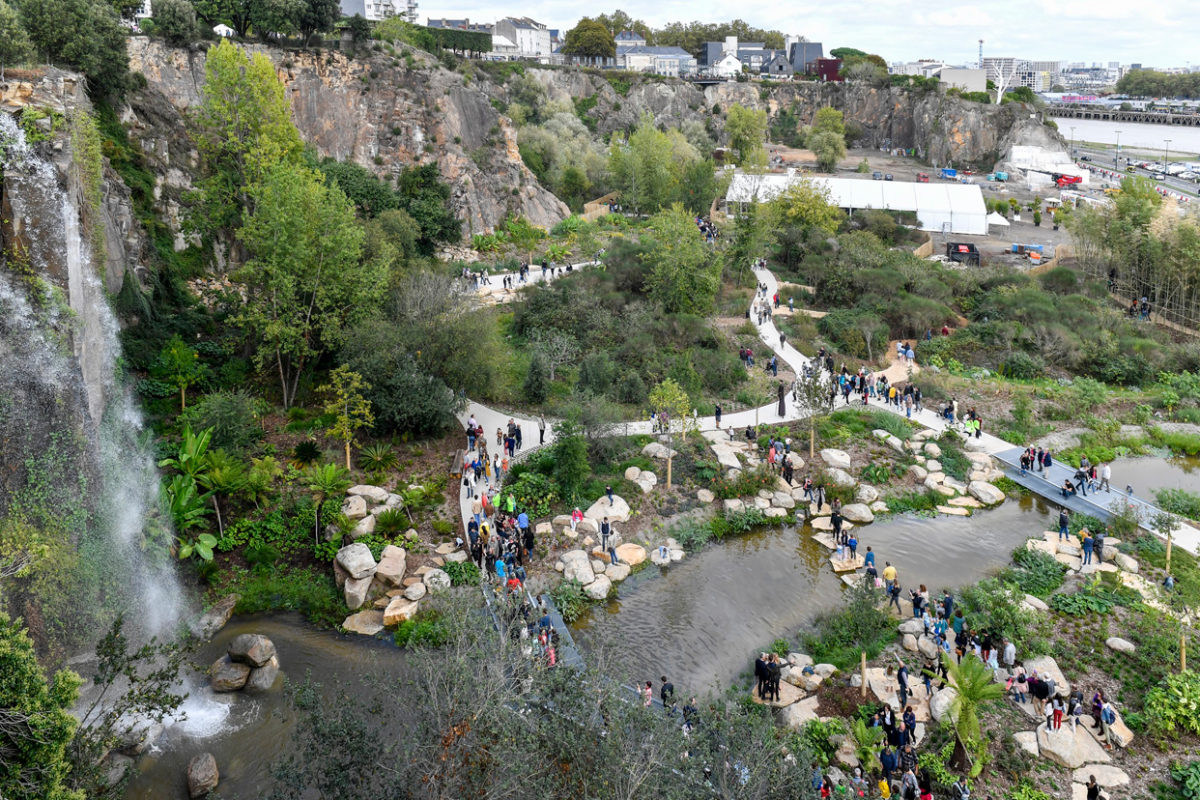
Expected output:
(1096, 504)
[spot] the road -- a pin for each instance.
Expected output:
(1103, 159)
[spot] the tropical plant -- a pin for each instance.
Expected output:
(378, 457)
(866, 742)
(462, 573)
(260, 479)
(191, 459)
(975, 686)
(392, 522)
(187, 506)
(569, 599)
(201, 546)
(325, 481)
(306, 453)
(224, 476)
(1188, 778)
(1175, 704)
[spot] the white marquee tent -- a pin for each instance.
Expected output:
(951, 207)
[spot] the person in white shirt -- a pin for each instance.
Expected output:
(1105, 475)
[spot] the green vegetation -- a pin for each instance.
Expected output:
(1171, 706)
(860, 625)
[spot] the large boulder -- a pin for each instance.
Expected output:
(357, 560)
(932, 450)
(415, 591)
(985, 493)
(577, 566)
(356, 590)
(783, 500)
(399, 610)
(1120, 645)
(836, 458)
(227, 675)
(1036, 603)
(857, 512)
(251, 648)
(1027, 741)
(726, 456)
(918, 473)
(909, 642)
(375, 494)
(215, 618)
(354, 507)
(1122, 736)
(658, 450)
(705, 496)
(933, 465)
(391, 565)
(617, 572)
(733, 505)
(631, 554)
(1107, 776)
(436, 579)
(800, 713)
(264, 678)
(364, 527)
(866, 493)
(940, 703)
(366, 623)
(598, 589)
(632, 473)
(1045, 665)
(617, 511)
(1070, 749)
(202, 775)
(1125, 562)
(840, 477)
(911, 625)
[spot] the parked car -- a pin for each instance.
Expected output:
(877, 176)
(887, 177)
(922, 177)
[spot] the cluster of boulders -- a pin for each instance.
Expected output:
(1069, 553)
(364, 503)
(977, 492)
(249, 662)
(799, 680)
(392, 596)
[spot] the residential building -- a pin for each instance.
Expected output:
(804, 56)
(778, 67)
(531, 38)
(627, 40)
(829, 69)
(753, 55)
(925, 67)
(458, 25)
(727, 67)
(669, 61)
(373, 10)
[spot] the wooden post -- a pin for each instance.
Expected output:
(1168, 566)
(812, 441)
(1182, 651)
(864, 674)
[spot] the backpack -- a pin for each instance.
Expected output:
(1108, 715)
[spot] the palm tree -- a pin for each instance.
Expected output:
(325, 480)
(973, 683)
(224, 476)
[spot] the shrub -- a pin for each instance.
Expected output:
(232, 416)
(818, 738)
(306, 452)
(839, 636)
(1175, 704)
(1179, 501)
(692, 534)
(1188, 778)
(426, 629)
(534, 492)
(570, 600)
(462, 573)
(391, 522)
(1037, 573)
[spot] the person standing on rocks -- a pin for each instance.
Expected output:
(760, 673)
(889, 576)
(1064, 524)
(608, 490)
(606, 541)
(1108, 715)
(774, 672)
(1088, 544)
(782, 399)
(835, 519)
(902, 681)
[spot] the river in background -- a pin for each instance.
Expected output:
(251, 731)
(1185, 139)
(701, 621)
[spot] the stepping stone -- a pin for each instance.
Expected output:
(1107, 776)
(825, 539)
(954, 511)
(847, 565)
(965, 502)
(813, 512)
(788, 694)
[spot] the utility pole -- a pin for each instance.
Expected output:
(1166, 148)
(1117, 157)
(1072, 142)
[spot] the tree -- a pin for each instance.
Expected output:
(684, 273)
(829, 120)
(15, 46)
(180, 365)
(649, 168)
(747, 129)
(669, 398)
(749, 240)
(317, 16)
(537, 380)
(347, 401)
(86, 35)
(589, 39)
(36, 725)
(974, 684)
(571, 466)
(175, 21)
(244, 129)
(426, 198)
(556, 348)
(224, 476)
(305, 283)
(814, 393)
(829, 148)
(806, 205)
(360, 29)
(324, 481)
(270, 18)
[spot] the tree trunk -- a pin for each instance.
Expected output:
(348, 455)
(217, 506)
(182, 388)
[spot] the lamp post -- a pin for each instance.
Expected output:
(1117, 157)
(1166, 149)
(1072, 141)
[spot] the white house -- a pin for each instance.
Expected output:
(531, 38)
(727, 67)
(372, 10)
(669, 61)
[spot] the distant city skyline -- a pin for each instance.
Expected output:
(1156, 34)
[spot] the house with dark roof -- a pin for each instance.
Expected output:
(669, 61)
(628, 39)
(532, 38)
(804, 56)
(779, 66)
(458, 25)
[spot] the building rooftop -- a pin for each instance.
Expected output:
(629, 36)
(659, 51)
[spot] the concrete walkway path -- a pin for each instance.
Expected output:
(1188, 537)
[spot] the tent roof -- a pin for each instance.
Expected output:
(997, 219)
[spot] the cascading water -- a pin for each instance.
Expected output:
(66, 361)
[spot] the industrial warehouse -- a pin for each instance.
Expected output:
(944, 207)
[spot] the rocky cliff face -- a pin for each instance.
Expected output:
(942, 129)
(377, 112)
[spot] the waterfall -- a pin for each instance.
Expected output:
(60, 374)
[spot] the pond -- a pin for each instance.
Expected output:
(247, 732)
(700, 622)
(1148, 473)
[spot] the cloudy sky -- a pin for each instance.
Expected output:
(1160, 33)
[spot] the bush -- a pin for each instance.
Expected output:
(232, 416)
(818, 738)
(1175, 704)
(534, 492)
(1179, 501)
(175, 21)
(692, 534)
(570, 600)
(426, 629)
(1022, 366)
(840, 636)
(1037, 573)
(462, 573)
(311, 592)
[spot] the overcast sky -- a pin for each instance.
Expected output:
(1160, 33)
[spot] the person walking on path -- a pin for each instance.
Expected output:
(541, 429)
(1105, 476)
(1064, 524)
(718, 415)
(782, 399)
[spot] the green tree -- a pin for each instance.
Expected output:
(15, 46)
(747, 129)
(974, 684)
(360, 29)
(191, 458)
(317, 16)
(347, 401)
(589, 39)
(175, 21)
(180, 365)
(571, 466)
(537, 380)
(829, 148)
(750, 238)
(305, 282)
(243, 130)
(86, 35)
(684, 272)
(669, 398)
(37, 723)
(806, 205)
(649, 168)
(425, 197)
(270, 18)
(324, 481)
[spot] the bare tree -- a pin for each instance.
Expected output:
(557, 347)
(814, 393)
